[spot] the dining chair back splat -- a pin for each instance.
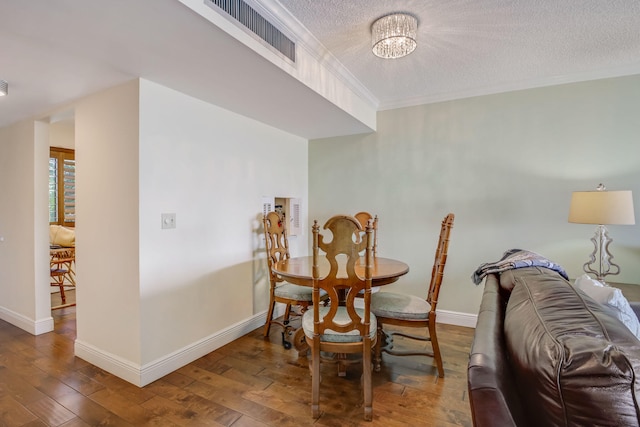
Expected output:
(410, 311)
(363, 218)
(277, 247)
(341, 328)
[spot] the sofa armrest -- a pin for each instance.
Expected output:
(493, 395)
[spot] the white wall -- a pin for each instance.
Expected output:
(151, 300)
(24, 252)
(211, 168)
(505, 164)
(62, 134)
(107, 248)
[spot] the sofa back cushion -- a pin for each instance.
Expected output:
(576, 363)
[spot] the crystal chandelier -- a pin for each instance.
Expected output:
(394, 36)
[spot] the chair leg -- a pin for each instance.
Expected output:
(377, 359)
(287, 329)
(58, 280)
(342, 364)
(366, 384)
(287, 313)
(267, 325)
(63, 297)
(436, 348)
(315, 379)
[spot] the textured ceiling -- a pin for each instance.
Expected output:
(55, 52)
(469, 47)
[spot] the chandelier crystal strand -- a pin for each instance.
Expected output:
(394, 36)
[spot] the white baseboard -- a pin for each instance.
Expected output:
(34, 327)
(116, 365)
(457, 318)
(146, 374)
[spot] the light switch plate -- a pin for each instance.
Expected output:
(168, 220)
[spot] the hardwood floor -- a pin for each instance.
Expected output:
(249, 382)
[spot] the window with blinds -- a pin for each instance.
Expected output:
(62, 187)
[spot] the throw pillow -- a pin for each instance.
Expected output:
(611, 297)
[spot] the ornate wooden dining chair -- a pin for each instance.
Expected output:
(410, 311)
(363, 218)
(291, 295)
(341, 329)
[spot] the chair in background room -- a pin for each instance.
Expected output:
(341, 329)
(410, 311)
(363, 218)
(62, 274)
(277, 247)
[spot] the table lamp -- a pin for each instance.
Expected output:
(601, 207)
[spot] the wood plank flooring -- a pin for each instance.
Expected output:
(250, 382)
(70, 294)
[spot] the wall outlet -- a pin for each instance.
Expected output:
(168, 220)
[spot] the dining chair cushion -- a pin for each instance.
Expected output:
(294, 292)
(399, 306)
(342, 317)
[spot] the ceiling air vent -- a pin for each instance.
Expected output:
(248, 17)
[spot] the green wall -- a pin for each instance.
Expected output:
(505, 164)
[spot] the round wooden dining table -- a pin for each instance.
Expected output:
(299, 270)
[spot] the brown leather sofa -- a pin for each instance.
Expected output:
(546, 354)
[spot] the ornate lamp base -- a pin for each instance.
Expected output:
(601, 242)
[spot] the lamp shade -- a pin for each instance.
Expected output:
(602, 207)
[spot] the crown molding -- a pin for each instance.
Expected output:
(628, 70)
(293, 28)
